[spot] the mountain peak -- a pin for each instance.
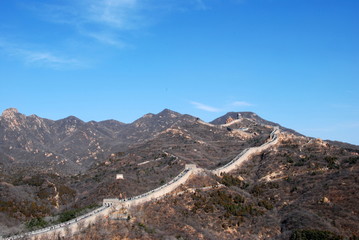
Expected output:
(10, 112)
(168, 112)
(72, 119)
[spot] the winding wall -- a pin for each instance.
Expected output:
(155, 193)
(247, 153)
(68, 227)
(109, 205)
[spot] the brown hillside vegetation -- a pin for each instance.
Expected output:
(311, 193)
(302, 188)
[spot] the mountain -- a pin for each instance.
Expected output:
(68, 145)
(301, 186)
(147, 126)
(71, 145)
(248, 119)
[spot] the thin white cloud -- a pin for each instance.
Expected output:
(106, 38)
(102, 20)
(48, 59)
(241, 104)
(113, 17)
(204, 107)
(227, 107)
(39, 58)
(120, 14)
(107, 22)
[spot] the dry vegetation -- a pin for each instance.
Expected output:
(313, 195)
(301, 189)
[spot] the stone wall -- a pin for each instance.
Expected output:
(109, 205)
(247, 153)
(112, 204)
(155, 193)
(66, 228)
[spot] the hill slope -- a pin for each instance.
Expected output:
(302, 183)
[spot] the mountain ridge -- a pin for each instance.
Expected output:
(74, 163)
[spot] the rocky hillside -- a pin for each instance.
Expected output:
(69, 146)
(301, 184)
(248, 119)
(301, 189)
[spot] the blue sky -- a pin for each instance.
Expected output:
(295, 62)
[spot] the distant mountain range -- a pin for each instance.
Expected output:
(71, 142)
(71, 145)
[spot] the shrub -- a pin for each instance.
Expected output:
(314, 235)
(331, 161)
(44, 193)
(299, 163)
(36, 181)
(67, 215)
(36, 223)
(238, 199)
(266, 204)
(71, 214)
(272, 185)
(257, 190)
(352, 160)
(146, 228)
(293, 189)
(229, 180)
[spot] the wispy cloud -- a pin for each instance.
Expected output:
(39, 58)
(120, 14)
(108, 20)
(227, 107)
(105, 22)
(101, 20)
(106, 38)
(204, 107)
(115, 13)
(48, 59)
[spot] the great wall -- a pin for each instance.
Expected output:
(113, 204)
